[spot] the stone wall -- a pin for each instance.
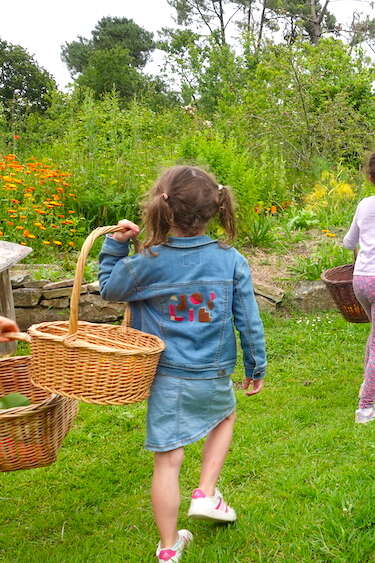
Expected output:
(39, 301)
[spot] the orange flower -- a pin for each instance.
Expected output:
(70, 211)
(1, 233)
(71, 243)
(16, 137)
(273, 209)
(20, 227)
(10, 223)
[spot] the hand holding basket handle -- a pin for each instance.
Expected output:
(10, 331)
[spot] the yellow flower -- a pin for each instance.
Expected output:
(330, 235)
(343, 191)
(46, 242)
(57, 242)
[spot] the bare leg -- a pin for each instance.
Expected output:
(214, 454)
(166, 494)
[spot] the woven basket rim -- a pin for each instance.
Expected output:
(336, 268)
(16, 412)
(68, 339)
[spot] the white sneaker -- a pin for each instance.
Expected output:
(210, 508)
(365, 415)
(174, 553)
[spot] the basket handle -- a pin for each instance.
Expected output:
(78, 278)
(23, 336)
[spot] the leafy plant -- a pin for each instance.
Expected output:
(259, 231)
(328, 255)
(303, 219)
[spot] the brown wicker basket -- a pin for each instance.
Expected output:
(31, 436)
(339, 282)
(96, 363)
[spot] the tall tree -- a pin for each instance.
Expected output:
(107, 34)
(24, 85)
(112, 59)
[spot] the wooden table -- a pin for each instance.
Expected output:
(10, 254)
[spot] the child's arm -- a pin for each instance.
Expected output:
(351, 238)
(250, 326)
(116, 276)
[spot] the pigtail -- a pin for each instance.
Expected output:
(158, 219)
(226, 211)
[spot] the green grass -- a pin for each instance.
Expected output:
(300, 472)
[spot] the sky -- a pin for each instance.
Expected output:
(42, 26)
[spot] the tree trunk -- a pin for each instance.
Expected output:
(261, 25)
(316, 20)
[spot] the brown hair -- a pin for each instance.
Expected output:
(186, 198)
(371, 167)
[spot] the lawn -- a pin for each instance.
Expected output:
(300, 472)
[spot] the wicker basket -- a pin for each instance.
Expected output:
(31, 436)
(96, 363)
(339, 282)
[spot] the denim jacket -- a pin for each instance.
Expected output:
(191, 294)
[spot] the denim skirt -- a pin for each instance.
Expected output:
(181, 411)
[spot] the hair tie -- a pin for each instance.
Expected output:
(220, 187)
(164, 195)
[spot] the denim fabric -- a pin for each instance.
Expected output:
(191, 294)
(181, 411)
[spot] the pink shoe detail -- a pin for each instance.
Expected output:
(198, 493)
(166, 554)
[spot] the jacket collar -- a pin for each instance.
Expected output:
(189, 242)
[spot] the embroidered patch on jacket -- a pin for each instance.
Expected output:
(181, 312)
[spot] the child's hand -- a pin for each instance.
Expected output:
(7, 325)
(257, 385)
(128, 230)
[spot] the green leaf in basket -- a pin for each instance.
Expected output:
(13, 400)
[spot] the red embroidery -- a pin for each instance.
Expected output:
(204, 316)
(182, 306)
(191, 315)
(196, 298)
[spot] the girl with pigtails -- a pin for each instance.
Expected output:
(190, 290)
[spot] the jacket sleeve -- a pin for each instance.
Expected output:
(248, 322)
(116, 273)
(351, 238)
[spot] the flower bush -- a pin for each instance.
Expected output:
(37, 205)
